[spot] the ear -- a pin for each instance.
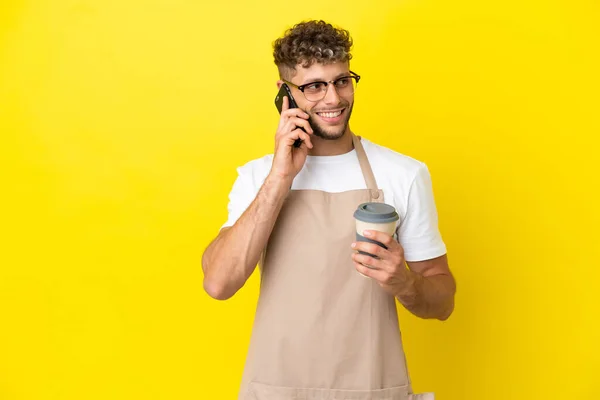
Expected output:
(279, 83)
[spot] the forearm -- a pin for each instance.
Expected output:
(231, 258)
(429, 296)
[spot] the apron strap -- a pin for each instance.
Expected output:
(365, 166)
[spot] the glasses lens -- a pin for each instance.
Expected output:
(344, 86)
(315, 91)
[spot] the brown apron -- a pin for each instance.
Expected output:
(322, 331)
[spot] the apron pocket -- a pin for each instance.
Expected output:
(260, 391)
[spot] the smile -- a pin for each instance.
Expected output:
(331, 116)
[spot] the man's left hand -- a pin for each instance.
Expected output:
(388, 267)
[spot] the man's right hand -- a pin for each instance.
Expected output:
(289, 160)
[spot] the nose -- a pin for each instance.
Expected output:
(331, 95)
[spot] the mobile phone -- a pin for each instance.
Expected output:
(284, 90)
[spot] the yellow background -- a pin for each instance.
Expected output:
(122, 123)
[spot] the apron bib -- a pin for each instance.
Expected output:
(322, 331)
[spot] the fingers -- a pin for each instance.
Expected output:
(376, 274)
(291, 131)
(374, 268)
(371, 248)
(293, 125)
(389, 259)
(291, 119)
(295, 122)
(305, 138)
(293, 112)
(383, 278)
(288, 139)
(367, 261)
(383, 238)
(286, 115)
(291, 137)
(285, 104)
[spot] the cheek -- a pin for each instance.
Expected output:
(309, 108)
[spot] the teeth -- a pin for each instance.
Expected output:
(330, 114)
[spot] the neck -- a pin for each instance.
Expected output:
(324, 147)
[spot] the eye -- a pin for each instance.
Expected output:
(314, 87)
(342, 82)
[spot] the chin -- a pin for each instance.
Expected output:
(330, 134)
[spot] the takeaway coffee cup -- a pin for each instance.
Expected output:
(376, 217)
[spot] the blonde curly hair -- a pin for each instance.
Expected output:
(311, 42)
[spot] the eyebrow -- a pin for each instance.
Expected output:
(338, 76)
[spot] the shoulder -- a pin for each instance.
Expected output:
(256, 170)
(392, 162)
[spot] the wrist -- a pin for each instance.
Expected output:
(275, 188)
(279, 181)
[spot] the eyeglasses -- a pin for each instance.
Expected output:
(315, 91)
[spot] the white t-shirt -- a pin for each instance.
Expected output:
(405, 182)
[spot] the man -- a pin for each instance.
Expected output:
(323, 331)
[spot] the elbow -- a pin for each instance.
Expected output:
(218, 283)
(445, 316)
(447, 312)
(216, 290)
(450, 301)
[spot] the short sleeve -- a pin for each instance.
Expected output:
(418, 233)
(242, 194)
